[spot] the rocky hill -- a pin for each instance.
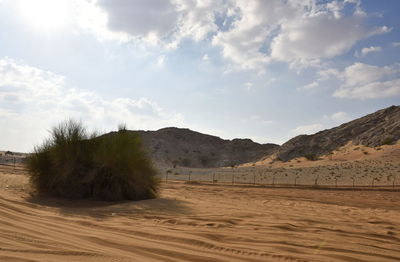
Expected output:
(184, 147)
(381, 127)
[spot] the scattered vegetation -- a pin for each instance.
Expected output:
(388, 141)
(192, 182)
(311, 157)
(75, 164)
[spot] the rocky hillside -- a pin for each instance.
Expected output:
(381, 127)
(183, 147)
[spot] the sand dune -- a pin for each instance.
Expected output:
(202, 223)
(348, 167)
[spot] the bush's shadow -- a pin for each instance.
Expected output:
(104, 209)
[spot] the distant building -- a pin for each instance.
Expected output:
(8, 153)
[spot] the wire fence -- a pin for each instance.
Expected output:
(361, 176)
(346, 175)
(13, 164)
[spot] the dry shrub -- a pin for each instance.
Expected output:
(75, 164)
(389, 140)
(311, 157)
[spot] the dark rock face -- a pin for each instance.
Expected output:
(183, 147)
(381, 127)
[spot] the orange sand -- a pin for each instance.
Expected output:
(202, 223)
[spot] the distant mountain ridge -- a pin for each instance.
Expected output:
(184, 147)
(381, 127)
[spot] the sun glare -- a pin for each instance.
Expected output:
(45, 14)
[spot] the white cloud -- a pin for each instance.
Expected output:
(329, 73)
(140, 17)
(150, 21)
(161, 23)
(363, 81)
(312, 38)
(319, 31)
(248, 85)
(92, 18)
(360, 74)
(250, 33)
(340, 117)
(396, 44)
(257, 119)
(380, 89)
(379, 30)
(312, 85)
(324, 122)
(307, 129)
(252, 24)
(322, 75)
(301, 33)
(161, 61)
(198, 17)
(367, 50)
(34, 99)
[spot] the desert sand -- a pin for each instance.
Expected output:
(200, 222)
(351, 166)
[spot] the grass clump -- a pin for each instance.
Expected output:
(75, 164)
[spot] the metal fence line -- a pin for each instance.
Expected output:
(338, 176)
(311, 177)
(13, 163)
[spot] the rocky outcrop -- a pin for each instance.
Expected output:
(381, 127)
(184, 147)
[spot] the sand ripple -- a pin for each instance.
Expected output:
(204, 223)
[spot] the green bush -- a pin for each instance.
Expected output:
(75, 164)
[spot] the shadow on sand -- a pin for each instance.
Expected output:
(104, 210)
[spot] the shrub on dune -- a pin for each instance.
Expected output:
(75, 164)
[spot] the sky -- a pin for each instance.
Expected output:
(264, 70)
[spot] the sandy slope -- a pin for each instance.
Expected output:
(351, 165)
(347, 153)
(202, 223)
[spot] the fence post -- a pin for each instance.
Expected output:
(14, 164)
(295, 181)
(213, 178)
(254, 179)
(273, 180)
(265, 177)
(316, 180)
(190, 172)
(394, 179)
(166, 177)
(233, 178)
